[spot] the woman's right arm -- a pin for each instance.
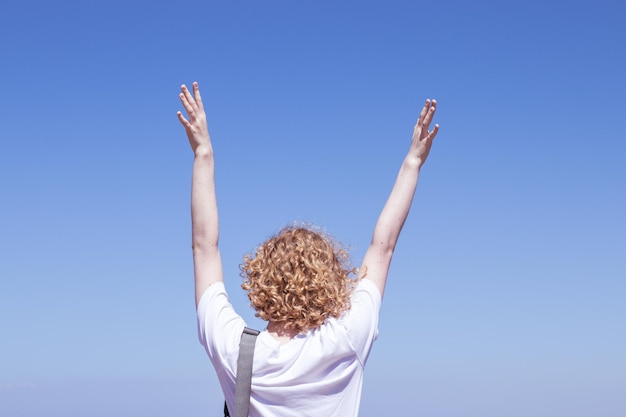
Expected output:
(207, 261)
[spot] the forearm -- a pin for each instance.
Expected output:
(397, 207)
(204, 216)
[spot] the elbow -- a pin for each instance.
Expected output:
(203, 238)
(199, 245)
(201, 251)
(203, 243)
(383, 248)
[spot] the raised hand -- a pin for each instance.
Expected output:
(422, 138)
(196, 126)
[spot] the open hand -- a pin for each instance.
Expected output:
(196, 126)
(422, 138)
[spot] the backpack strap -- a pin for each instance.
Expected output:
(243, 379)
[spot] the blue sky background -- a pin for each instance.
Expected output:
(506, 294)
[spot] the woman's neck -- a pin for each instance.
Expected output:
(279, 332)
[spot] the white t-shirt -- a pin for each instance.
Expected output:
(318, 373)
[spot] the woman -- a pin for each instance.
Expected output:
(321, 322)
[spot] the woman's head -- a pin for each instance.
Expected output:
(298, 279)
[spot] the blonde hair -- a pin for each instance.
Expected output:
(298, 278)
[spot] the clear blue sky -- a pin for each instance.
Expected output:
(506, 294)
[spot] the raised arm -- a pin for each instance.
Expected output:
(207, 261)
(378, 256)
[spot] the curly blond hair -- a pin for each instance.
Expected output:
(298, 278)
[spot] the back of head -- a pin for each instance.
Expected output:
(298, 278)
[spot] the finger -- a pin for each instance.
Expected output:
(424, 112)
(183, 87)
(428, 139)
(429, 116)
(196, 93)
(434, 132)
(188, 96)
(188, 107)
(182, 119)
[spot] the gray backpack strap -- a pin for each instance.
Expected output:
(244, 372)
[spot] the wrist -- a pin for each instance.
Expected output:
(203, 151)
(413, 162)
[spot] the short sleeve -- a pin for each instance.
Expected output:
(361, 321)
(219, 327)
